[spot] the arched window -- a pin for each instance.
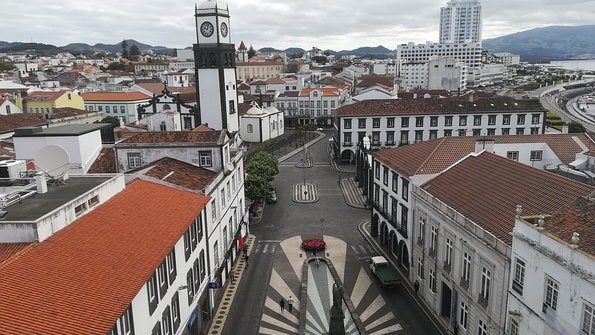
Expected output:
(250, 128)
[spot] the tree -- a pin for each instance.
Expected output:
(6, 66)
(251, 52)
(134, 52)
(124, 45)
(110, 119)
(320, 59)
(575, 127)
(116, 66)
(260, 172)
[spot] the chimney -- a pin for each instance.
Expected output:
(484, 144)
(40, 181)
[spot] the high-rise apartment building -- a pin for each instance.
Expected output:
(460, 22)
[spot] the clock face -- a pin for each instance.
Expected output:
(224, 29)
(207, 29)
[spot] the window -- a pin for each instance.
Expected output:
(225, 238)
(232, 107)
(376, 123)
(171, 266)
(187, 244)
(250, 128)
(80, 209)
(347, 123)
(482, 328)
(134, 160)
(152, 293)
(462, 132)
(514, 155)
(518, 278)
(477, 120)
(122, 110)
(390, 122)
(196, 277)
(395, 184)
(420, 268)
(377, 170)
(448, 121)
(462, 120)
(536, 155)
(216, 254)
(204, 158)
(404, 137)
(385, 175)
(419, 135)
(203, 270)
(361, 123)
(433, 134)
(491, 120)
(486, 279)
(433, 239)
(433, 121)
(520, 131)
(214, 209)
(464, 315)
(520, 119)
(491, 131)
(448, 252)
(404, 122)
(223, 197)
(156, 329)
(505, 131)
(447, 132)
(432, 281)
(535, 118)
(126, 322)
(466, 270)
(347, 139)
(390, 138)
(93, 201)
(588, 319)
(166, 321)
(534, 130)
(162, 276)
(422, 228)
(506, 119)
(175, 311)
(404, 189)
(513, 327)
(552, 288)
(419, 121)
(476, 132)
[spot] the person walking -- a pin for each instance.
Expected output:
(282, 304)
(290, 304)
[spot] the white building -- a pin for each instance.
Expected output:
(461, 22)
(487, 74)
(393, 122)
(468, 53)
(261, 124)
(122, 105)
(446, 74)
(508, 59)
(551, 287)
(414, 75)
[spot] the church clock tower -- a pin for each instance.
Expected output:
(214, 61)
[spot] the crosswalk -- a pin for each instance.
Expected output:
(363, 251)
(265, 247)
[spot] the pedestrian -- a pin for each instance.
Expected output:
(282, 304)
(416, 287)
(232, 277)
(290, 304)
(246, 257)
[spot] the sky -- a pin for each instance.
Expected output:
(337, 25)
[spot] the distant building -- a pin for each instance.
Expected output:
(121, 105)
(508, 59)
(468, 53)
(461, 22)
(248, 71)
(261, 124)
(42, 102)
(447, 74)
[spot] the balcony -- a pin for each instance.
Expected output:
(483, 301)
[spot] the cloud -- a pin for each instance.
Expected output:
(277, 23)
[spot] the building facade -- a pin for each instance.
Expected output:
(468, 53)
(461, 22)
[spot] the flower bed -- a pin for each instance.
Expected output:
(313, 244)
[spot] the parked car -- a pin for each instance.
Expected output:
(320, 129)
(272, 198)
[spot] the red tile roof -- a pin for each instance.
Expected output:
(434, 156)
(115, 96)
(105, 162)
(80, 280)
(374, 79)
(14, 121)
(577, 217)
(326, 91)
(8, 250)
(242, 46)
(172, 137)
(46, 96)
(487, 188)
(422, 106)
(179, 173)
(156, 88)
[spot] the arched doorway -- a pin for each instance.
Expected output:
(394, 246)
(404, 255)
(347, 157)
(383, 233)
(374, 227)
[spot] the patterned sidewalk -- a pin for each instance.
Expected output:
(286, 280)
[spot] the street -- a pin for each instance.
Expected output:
(332, 217)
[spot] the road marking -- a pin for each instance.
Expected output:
(269, 241)
(273, 248)
(257, 248)
(364, 251)
(266, 247)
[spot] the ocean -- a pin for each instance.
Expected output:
(586, 64)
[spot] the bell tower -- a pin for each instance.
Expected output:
(214, 61)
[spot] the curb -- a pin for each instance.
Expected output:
(223, 306)
(404, 283)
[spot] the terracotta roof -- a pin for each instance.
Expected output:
(80, 280)
(58, 113)
(179, 173)
(174, 137)
(422, 106)
(243, 87)
(105, 162)
(203, 127)
(114, 96)
(326, 91)
(374, 79)
(46, 96)
(275, 81)
(242, 46)
(577, 217)
(7, 250)
(14, 121)
(430, 157)
(487, 188)
(289, 94)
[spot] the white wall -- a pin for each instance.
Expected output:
(210, 102)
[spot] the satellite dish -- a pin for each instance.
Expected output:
(53, 160)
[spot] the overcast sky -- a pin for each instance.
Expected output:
(336, 25)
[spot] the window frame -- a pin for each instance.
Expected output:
(551, 299)
(536, 155)
(205, 158)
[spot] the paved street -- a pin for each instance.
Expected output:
(276, 257)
